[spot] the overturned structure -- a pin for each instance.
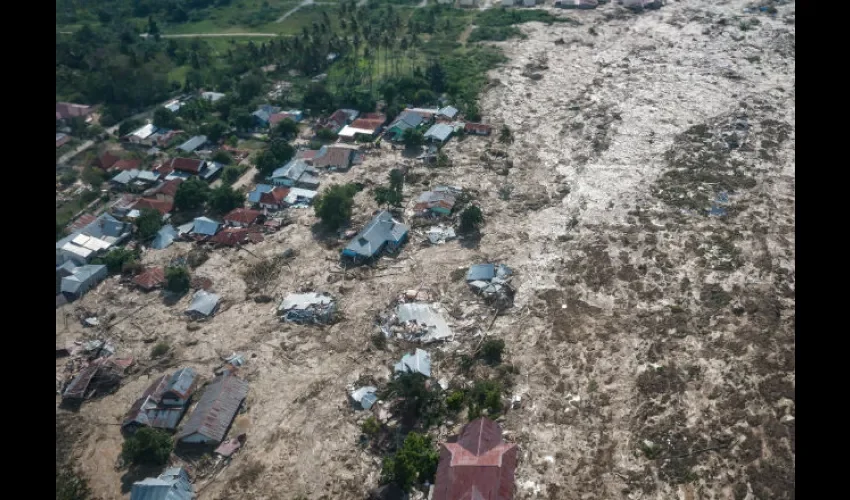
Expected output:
(309, 307)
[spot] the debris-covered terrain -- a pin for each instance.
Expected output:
(646, 210)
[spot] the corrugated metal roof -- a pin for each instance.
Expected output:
(205, 226)
(181, 383)
(424, 314)
(418, 362)
(212, 96)
(448, 111)
(144, 132)
(365, 396)
(439, 131)
(172, 484)
(203, 303)
(164, 237)
(481, 272)
(217, 408)
(380, 230)
(83, 277)
(259, 189)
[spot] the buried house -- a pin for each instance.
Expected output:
(215, 412)
(492, 282)
(477, 465)
(418, 362)
(163, 403)
(309, 307)
(416, 321)
(204, 304)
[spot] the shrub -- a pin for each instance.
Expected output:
(414, 401)
(455, 401)
(414, 463)
(231, 174)
(68, 177)
(326, 135)
(224, 198)
(471, 219)
(116, 258)
(147, 446)
(222, 157)
(177, 279)
(370, 427)
(379, 340)
(491, 351)
(159, 349)
(148, 223)
(485, 395)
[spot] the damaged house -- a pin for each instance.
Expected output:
(172, 484)
(164, 402)
(477, 464)
(380, 234)
(100, 377)
(417, 362)
(204, 304)
(491, 282)
(438, 202)
(308, 307)
(416, 321)
(296, 173)
(215, 412)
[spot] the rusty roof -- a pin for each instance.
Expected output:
(161, 206)
(150, 278)
(126, 164)
(275, 196)
(335, 157)
(243, 215)
(189, 165)
(478, 465)
(217, 408)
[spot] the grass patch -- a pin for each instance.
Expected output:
(494, 34)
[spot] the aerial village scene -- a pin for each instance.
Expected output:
(436, 249)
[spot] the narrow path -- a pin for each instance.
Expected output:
(294, 10)
(196, 35)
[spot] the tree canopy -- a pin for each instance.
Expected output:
(192, 193)
(334, 206)
(147, 446)
(224, 198)
(148, 223)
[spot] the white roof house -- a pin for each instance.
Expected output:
(143, 132)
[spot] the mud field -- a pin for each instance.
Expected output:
(647, 208)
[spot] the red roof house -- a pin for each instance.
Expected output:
(188, 165)
(150, 278)
(274, 198)
(168, 188)
(241, 217)
(126, 164)
(161, 206)
(106, 160)
(232, 236)
(65, 110)
(478, 465)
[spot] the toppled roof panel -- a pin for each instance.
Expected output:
(422, 314)
(418, 362)
(365, 396)
(203, 303)
(164, 237)
(481, 272)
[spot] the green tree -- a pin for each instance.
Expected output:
(128, 126)
(387, 196)
(191, 194)
(214, 131)
(266, 163)
(117, 259)
(282, 151)
(249, 88)
(415, 463)
(443, 160)
(70, 485)
(471, 219)
(231, 174)
(413, 401)
(285, 129)
(177, 279)
(68, 177)
(94, 176)
(165, 118)
(333, 206)
(412, 138)
(223, 157)
(147, 446)
(396, 180)
(148, 223)
(326, 135)
(224, 198)
(485, 395)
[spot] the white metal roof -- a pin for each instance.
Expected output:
(144, 132)
(349, 131)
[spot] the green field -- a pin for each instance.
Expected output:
(242, 16)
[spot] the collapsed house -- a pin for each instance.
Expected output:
(478, 464)
(163, 403)
(308, 307)
(438, 202)
(491, 282)
(172, 484)
(215, 412)
(416, 321)
(99, 378)
(150, 278)
(417, 362)
(365, 397)
(164, 237)
(438, 235)
(204, 304)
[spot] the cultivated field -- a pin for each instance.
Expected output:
(652, 342)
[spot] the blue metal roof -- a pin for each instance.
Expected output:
(259, 189)
(206, 226)
(193, 143)
(439, 131)
(380, 230)
(418, 362)
(164, 237)
(482, 272)
(82, 278)
(181, 382)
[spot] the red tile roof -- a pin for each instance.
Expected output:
(169, 188)
(242, 215)
(478, 465)
(230, 236)
(106, 160)
(162, 169)
(374, 116)
(126, 164)
(335, 157)
(82, 221)
(368, 124)
(150, 278)
(275, 196)
(189, 165)
(65, 110)
(161, 206)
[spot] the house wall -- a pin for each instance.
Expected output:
(196, 438)
(269, 206)
(233, 223)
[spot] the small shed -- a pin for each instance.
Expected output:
(365, 397)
